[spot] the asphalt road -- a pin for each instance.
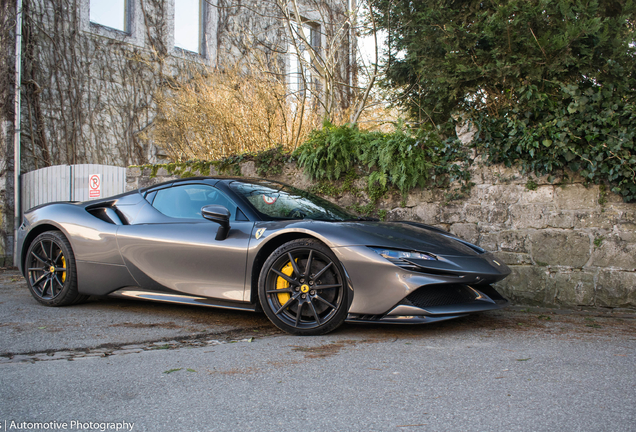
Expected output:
(175, 368)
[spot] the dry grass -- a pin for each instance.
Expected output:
(218, 114)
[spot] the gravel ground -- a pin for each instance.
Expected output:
(178, 368)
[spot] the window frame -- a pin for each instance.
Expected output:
(127, 19)
(133, 35)
(298, 89)
(201, 39)
(208, 34)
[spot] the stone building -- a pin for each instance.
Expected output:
(91, 68)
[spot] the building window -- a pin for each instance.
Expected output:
(188, 25)
(110, 13)
(301, 74)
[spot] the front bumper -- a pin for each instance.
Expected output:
(380, 285)
(427, 311)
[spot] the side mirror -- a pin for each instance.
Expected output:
(219, 214)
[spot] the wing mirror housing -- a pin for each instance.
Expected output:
(219, 214)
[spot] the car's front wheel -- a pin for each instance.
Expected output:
(50, 270)
(302, 288)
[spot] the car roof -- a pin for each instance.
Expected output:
(209, 179)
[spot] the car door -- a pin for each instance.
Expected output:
(171, 247)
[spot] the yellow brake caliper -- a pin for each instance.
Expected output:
(282, 283)
(64, 272)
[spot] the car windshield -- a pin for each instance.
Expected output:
(278, 201)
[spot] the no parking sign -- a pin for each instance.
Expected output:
(95, 186)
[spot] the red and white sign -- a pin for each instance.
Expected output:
(269, 199)
(95, 186)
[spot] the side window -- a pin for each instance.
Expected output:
(185, 202)
(111, 13)
(188, 25)
(302, 82)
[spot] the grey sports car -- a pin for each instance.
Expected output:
(253, 244)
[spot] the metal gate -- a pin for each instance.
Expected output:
(70, 183)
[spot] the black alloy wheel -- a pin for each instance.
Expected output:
(50, 270)
(302, 288)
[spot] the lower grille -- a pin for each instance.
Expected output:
(440, 295)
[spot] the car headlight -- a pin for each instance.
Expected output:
(396, 254)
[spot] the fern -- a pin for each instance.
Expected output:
(402, 159)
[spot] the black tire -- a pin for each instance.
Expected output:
(299, 300)
(50, 270)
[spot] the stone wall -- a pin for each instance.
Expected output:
(568, 244)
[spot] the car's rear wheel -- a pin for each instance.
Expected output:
(50, 270)
(302, 288)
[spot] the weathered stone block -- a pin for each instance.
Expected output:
(627, 216)
(499, 174)
(596, 219)
(542, 194)
(451, 214)
(502, 194)
(133, 172)
(560, 248)
(476, 213)
(466, 131)
(616, 289)
(526, 285)
(488, 241)
(418, 196)
(466, 231)
(513, 241)
(511, 258)
(295, 176)
(391, 201)
(162, 172)
(399, 213)
(560, 219)
(498, 214)
(616, 250)
(248, 169)
(572, 289)
(575, 197)
(427, 213)
(628, 227)
(530, 215)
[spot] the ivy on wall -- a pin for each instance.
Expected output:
(550, 84)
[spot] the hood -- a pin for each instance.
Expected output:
(407, 235)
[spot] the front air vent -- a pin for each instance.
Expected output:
(492, 293)
(440, 295)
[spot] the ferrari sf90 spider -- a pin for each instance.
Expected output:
(253, 244)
